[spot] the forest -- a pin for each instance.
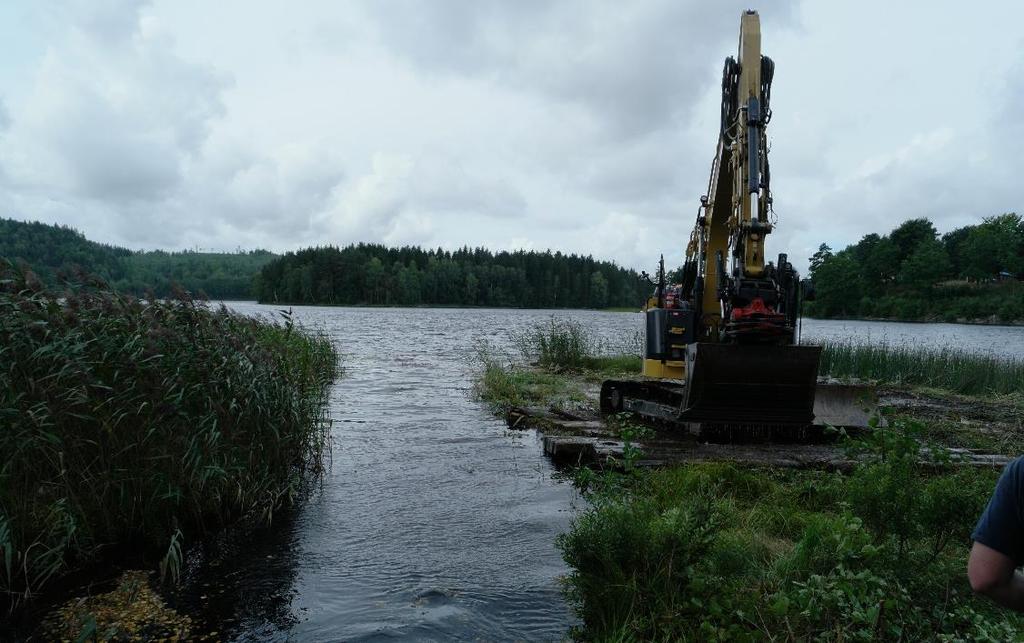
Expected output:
(52, 250)
(971, 273)
(409, 276)
(357, 274)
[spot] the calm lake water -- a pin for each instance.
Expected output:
(434, 522)
(1007, 341)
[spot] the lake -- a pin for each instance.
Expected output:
(434, 522)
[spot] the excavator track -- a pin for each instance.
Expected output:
(851, 407)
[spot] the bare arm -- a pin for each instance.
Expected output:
(993, 574)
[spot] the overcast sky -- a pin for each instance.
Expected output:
(581, 126)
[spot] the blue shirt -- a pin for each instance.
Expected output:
(1001, 527)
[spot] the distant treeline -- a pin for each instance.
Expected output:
(971, 273)
(357, 274)
(50, 249)
(409, 276)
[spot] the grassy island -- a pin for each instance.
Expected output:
(135, 427)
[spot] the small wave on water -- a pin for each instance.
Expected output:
(432, 523)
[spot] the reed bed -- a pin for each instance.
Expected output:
(947, 368)
(567, 345)
(135, 424)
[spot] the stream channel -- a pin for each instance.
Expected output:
(433, 521)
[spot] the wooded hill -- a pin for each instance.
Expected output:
(356, 274)
(971, 273)
(50, 249)
(378, 275)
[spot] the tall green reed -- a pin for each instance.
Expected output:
(567, 345)
(144, 423)
(947, 368)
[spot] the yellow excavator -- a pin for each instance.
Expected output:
(722, 354)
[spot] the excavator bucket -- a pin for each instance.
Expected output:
(740, 392)
(750, 385)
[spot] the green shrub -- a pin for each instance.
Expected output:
(633, 566)
(738, 554)
(126, 421)
(843, 605)
(879, 554)
(828, 541)
(950, 504)
(504, 386)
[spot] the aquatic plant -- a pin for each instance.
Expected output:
(947, 368)
(558, 343)
(567, 345)
(144, 424)
(503, 386)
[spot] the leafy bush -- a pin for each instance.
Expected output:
(133, 422)
(764, 554)
(633, 564)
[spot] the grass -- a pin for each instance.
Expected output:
(948, 369)
(551, 350)
(141, 426)
(719, 552)
(504, 387)
(560, 345)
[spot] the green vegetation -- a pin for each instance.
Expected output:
(144, 425)
(948, 369)
(971, 273)
(216, 275)
(717, 552)
(504, 387)
(55, 251)
(551, 350)
(362, 274)
(409, 276)
(565, 345)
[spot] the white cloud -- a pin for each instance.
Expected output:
(111, 118)
(574, 125)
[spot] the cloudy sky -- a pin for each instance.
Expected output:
(576, 125)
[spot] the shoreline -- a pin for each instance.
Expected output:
(959, 322)
(626, 309)
(611, 309)
(768, 521)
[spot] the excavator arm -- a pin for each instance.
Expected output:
(721, 352)
(741, 296)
